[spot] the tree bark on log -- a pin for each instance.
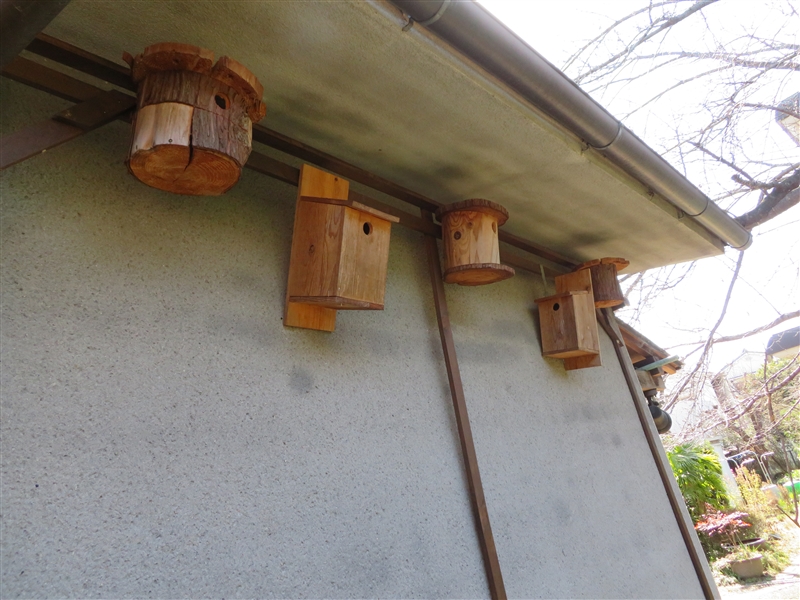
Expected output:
(192, 134)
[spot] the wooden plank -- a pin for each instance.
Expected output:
(573, 282)
(64, 86)
(582, 362)
(684, 521)
(305, 254)
(351, 203)
(63, 127)
(33, 140)
(113, 73)
(49, 80)
(567, 324)
(488, 550)
(81, 60)
(365, 257)
(98, 110)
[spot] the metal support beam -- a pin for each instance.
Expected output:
(43, 78)
(490, 561)
(106, 70)
(21, 20)
(606, 318)
(63, 127)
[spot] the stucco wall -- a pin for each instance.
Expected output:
(163, 435)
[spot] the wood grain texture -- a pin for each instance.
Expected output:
(582, 362)
(69, 88)
(162, 155)
(478, 274)
(316, 183)
(219, 141)
(574, 282)
(238, 77)
(171, 56)
(353, 203)
(471, 245)
(96, 66)
(607, 291)
(364, 257)
(568, 325)
(340, 248)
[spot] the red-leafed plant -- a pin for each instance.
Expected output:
(718, 523)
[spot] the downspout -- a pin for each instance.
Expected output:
(475, 32)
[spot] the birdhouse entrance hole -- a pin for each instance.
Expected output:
(471, 245)
(340, 253)
(192, 132)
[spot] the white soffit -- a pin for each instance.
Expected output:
(343, 77)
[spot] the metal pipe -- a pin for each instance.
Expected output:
(606, 318)
(659, 363)
(20, 21)
(474, 31)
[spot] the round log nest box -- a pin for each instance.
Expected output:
(471, 245)
(607, 292)
(193, 128)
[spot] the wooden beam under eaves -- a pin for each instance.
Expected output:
(59, 84)
(64, 126)
(116, 74)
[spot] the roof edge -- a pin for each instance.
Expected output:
(473, 31)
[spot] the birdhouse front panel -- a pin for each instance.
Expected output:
(568, 325)
(472, 238)
(364, 258)
(340, 251)
(471, 245)
(316, 250)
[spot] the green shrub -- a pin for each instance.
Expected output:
(761, 506)
(699, 476)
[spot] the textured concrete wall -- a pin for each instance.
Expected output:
(164, 436)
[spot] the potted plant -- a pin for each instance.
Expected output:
(745, 562)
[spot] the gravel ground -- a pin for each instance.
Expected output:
(785, 585)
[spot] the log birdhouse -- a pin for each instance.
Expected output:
(192, 132)
(340, 252)
(471, 246)
(607, 292)
(568, 322)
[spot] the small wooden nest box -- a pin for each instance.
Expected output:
(340, 253)
(568, 322)
(607, 292)
(471, 244)
(193, 128)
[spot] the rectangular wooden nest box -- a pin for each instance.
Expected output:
(340, 253)
(568, 323)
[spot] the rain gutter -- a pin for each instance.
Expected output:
(472, 30)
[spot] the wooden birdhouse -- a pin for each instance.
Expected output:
(568, 322)
(471, 245)
(192, 132)
(340, 252)
(607, 292)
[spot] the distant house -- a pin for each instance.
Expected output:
(784, 344)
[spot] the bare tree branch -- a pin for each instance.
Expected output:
(670, 22)
(772, 201)
(709, 342)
